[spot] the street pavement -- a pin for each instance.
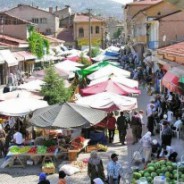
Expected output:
(29, 174)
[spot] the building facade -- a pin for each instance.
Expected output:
(46, 22)
(83, 34)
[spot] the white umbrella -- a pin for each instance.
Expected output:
(119, 79)
(21, 106)
(20, 93)
(108, 71)
(34, 85)
(108, 102)
(68, 65)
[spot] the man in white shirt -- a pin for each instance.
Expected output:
(18, 138)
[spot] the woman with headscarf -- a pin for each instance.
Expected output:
(147, 145)
(43, 179)
(95, 167)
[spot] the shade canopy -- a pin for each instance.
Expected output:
(108, 71)
(20, 93)
(95, 67)
(108, 102)
(171, 79)
(67, 115)
(20, 106)
(108, 86)
(120, 79)
(34, 85)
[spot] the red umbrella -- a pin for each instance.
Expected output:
(108, 86)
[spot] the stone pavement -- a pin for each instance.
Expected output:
(29, 174)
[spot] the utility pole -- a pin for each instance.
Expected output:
(89, 13)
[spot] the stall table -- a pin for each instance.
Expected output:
(17, 157)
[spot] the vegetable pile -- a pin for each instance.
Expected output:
(160, 168)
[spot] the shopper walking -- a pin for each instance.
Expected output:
(95, 167)
(114, 170)
(122, 125)
(111, 125)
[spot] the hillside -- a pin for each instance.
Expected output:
(106, 8)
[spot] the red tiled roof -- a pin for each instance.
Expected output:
(12, 39)
(85, 18)
(176, 49)
(53, 40)
(145, 2)
(66, 35)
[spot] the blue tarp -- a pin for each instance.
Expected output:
(112, 54)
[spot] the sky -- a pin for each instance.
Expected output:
(123, 1)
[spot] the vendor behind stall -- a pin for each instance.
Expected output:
(18, 138)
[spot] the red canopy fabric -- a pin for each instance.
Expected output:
(73, 58)
(170, 81)
(109, 86)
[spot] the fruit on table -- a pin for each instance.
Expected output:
(102, 147)
(14, 149)
(41, 149)
(49, 165)
(160, 168)
(51, 149)
(24, 149)
(33, 150)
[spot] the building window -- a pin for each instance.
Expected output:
(91, 30)
(43, 21)
(97, 30)
(35, 20)
(81, 32)
(48, 31)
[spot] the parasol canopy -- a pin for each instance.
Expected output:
(108, 86)
(108, 102)
(119, 79)
(108, 71)
(67, 115)
(20, 106)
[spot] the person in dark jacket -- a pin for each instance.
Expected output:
(122, 125)
(166, 135)
(136, 127)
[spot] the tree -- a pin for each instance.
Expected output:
(54, 90)
(37, 43)
(85, 61)
(95, 51)
(117, 33)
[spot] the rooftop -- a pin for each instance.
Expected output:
(175, 49)
(85, 18)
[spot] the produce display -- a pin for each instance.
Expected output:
(160, 168)
(31, 149)
(101, 147)
(49, 165)
(77, 143)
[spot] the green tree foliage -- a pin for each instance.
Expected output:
(54, 90)
(85, 61)
(37, 43)
(95, 51)
(117, 33)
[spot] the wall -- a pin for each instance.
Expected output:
(85, 26)
(160, 9)
(17, 31)
(173, 28)
(28, 13)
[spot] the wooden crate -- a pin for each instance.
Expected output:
(91, 148)
(48, 170)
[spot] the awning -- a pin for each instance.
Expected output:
(18, 56)
(166, 64)
(9, 57)
(27, 55)
(2, 60)
(171, 79)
